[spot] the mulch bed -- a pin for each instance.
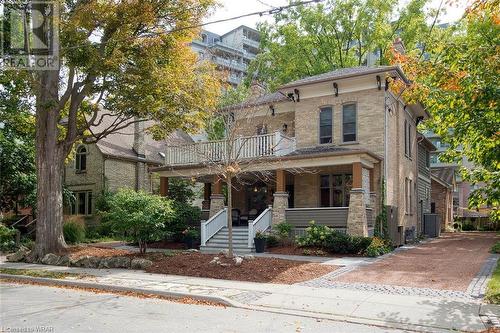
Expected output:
(94, 251)
(313, 251)
(271, 270)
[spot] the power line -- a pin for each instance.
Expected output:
(260, 13)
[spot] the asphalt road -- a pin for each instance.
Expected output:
(28, 308)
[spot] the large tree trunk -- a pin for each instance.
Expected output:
(50, 156)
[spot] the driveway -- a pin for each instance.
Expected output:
(450, 262)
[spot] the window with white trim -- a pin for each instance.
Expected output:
(82, 205)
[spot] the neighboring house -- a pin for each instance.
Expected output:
(443, 185)
(120, 160)
(326, 144)
(231, 52)
(462, 189)
(425, 148)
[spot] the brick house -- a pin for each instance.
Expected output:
(326, 144)
(120, 160)
(443, 186)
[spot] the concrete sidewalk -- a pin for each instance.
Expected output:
(431, 314)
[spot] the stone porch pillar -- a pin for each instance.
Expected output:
(217, 198)
(280, 202)
(164, 186)
(357, 224)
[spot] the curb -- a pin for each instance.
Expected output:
(110, 288)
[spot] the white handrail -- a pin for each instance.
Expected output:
(272, 144)
(261, 223)
(213, 225)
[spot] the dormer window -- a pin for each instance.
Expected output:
(81, 159)
(325, 125)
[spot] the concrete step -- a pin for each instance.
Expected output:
(213, 249)
(225, 243)
(219, 236)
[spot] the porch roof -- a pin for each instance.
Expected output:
(312, 157)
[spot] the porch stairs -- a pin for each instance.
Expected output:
(220, 241)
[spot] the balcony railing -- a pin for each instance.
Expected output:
(267, 145)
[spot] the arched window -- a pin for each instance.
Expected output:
(81, 159)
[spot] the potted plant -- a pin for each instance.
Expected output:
(260, 241)
(190, 235)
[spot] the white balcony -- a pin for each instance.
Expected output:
(242, 148)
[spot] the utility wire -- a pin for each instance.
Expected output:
(260, 13)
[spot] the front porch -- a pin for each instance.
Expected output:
(340, 195)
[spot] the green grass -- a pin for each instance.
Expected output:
(39, 273)
(493, 288)
(496, 248)
(103, 239)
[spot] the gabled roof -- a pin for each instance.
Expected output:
(344, 73)
(445, 175)
(120, 144)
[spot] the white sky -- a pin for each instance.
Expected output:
(230, 8)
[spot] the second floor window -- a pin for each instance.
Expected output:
(325, 125)
(81, 159)
(349, 123)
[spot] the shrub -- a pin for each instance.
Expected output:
(283, 229)
(316, 235)
(74, 232)
(142, 216)
(7, 238)
(191, 232)
(468, 227)
(496, 248)
(377, 247)
(338, 242)
(272, 240)
(183, 214)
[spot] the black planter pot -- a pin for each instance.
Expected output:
(260, 244)
(189, 241)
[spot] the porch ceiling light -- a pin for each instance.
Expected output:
(336, 89)
(162, 154)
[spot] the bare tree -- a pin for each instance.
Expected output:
(238, 153)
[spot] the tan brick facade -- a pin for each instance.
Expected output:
(441, 199)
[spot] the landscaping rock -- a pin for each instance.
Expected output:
(192, 250)
(225, 253)
(238, 261)
(138, 263)
(50, 259)
(215, 260)
(63, 261)
(249, 257)
(117, 262)
(19, 255)
(223, 264)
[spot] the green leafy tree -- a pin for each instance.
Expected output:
(458, 82)
(313, 39)
(131, 58)
(17, 148)
(141, 216)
